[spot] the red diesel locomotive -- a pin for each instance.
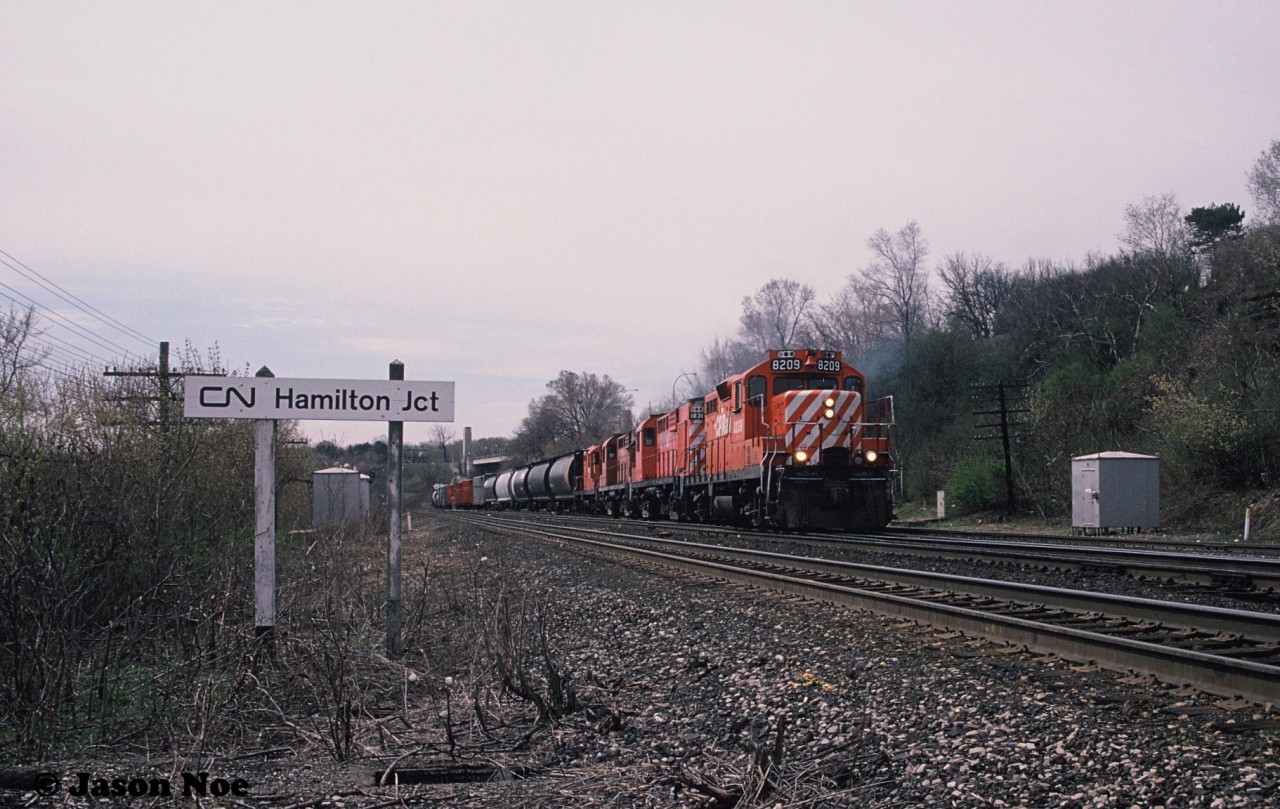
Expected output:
(789, 443)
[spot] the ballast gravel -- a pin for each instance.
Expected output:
(665, 689)
(716, 682)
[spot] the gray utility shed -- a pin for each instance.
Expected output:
(1115, 490)
(339, 495)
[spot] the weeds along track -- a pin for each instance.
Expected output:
(1224, 651)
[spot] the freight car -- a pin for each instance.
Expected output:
(790, 443)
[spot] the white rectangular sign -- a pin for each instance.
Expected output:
(258, 397)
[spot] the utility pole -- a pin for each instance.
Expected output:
(1005, 425)
(164, 376)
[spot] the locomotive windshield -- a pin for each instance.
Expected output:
(782, 384)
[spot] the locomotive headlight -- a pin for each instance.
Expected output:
(829, 413)
(829, 403)
(872, 455)
(801, 456)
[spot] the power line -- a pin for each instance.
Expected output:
(49, 286)
(67, 322)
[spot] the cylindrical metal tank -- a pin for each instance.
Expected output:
(490, 489)
(563, 473)
(502, 488)
(520, 485)
(537, 481)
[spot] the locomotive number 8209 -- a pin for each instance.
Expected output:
(789, 364)
(829, 365)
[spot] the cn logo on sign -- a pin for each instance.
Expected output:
(219, 396)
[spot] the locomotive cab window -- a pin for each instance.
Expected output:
(757, 387)
(853, 383)
(650, 438)
(782, 384)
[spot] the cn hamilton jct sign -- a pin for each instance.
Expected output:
(222, 397)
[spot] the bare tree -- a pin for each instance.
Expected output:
(1264, 185)
(976, 289)
(442, 436)
(846, 322)
(898, 279)
(17, 357)
(1155, 225)
(579, 409)
(723, 359)
(774, 317)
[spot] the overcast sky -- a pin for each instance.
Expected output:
(494, 192)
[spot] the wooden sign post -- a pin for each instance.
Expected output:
(264, 533)
(395, 446)
(266, 399)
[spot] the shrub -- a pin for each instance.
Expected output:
(976, 485)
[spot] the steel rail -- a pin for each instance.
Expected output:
(1258, 572)
(1254, 572)
(1213, 673)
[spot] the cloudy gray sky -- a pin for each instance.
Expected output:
(492, 192)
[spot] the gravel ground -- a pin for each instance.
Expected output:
(672, 690)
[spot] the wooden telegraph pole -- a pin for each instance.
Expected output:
(1005, 396)
(395, 445)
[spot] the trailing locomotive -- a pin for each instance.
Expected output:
(790, 443)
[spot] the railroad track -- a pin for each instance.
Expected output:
(1244, 576)
(1222, 651)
